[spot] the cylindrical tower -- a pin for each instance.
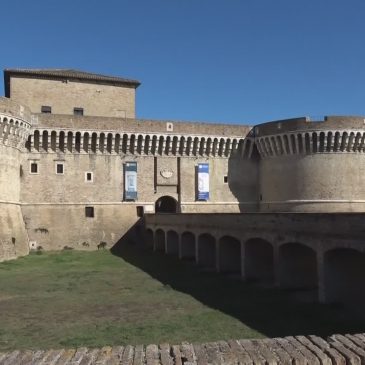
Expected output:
(308, 166)
(14, 129)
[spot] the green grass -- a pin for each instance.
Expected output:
(71, 298)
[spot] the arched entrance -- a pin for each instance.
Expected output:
(172, 243)
(207, 251)
(166, 204)
(259, 260)
(187, 245)
(297, 266)
(344, 276)
(229, 255)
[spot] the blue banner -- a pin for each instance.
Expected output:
(203, 181)
(130, 181)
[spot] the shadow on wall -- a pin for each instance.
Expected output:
(274, 313)
(243, 175)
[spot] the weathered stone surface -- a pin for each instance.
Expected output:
(299, 350)
(252, 352)
(152, 355)
(336, 357)
(323, 358)
(139, 358)
(308, 355)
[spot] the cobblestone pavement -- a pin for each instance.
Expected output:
(298, 350)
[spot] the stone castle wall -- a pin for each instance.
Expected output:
(14, 128)
(63, 97)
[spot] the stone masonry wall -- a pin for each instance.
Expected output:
(298, 350)
(63, 97)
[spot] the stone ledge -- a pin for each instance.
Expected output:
(298, 350)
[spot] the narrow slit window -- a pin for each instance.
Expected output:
(46, 109)
(89, 177)
(79, 111)
(225, 179)
(89, 212)
(34, 168)
(59, 168)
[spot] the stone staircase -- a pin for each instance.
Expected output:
(298, 350)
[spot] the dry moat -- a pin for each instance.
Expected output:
(71, 299)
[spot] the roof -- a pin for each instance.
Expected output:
(69, 74)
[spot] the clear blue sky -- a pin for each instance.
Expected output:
(243, 61)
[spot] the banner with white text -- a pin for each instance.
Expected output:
(130, 181)
(203, 181)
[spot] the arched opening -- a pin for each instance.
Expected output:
(187, 245)
(344, 276)
(297, 267)
(229, 255)
(258, 260)
(172, 243)
(148, 239)
(160, 240)
(207, 251)
(166, 204)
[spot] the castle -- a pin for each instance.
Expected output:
(79, 170)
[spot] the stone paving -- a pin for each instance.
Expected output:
(298, 350)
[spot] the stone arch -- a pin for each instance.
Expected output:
(314, 142)
(78, 142)
(154, 145)
(61, 141)
(182, 146)
(117, 143)
(53, 141)
(166, 204)
(300, 144)
(36, 140)
(344, 277)
(201, 147)
(336, 145)
(94, 142)
(187, 245)
(161, 145)
(297, 266)
(195, 146)
(172, 243)
(45, 141)
(167, 146)
(322, 140)
(258, 260)
(149, 238)
(307, 143)
(344, 141)
(188, 146)
(146, 147)
(229, 255)
(207, 253)
(86, 142)
(329, 141)
(125, 144)
(208, 147)
(109, 143)
(159, 240)
(69, 141)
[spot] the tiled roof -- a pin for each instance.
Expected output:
(64, 74)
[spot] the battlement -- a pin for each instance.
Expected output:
(14, 123)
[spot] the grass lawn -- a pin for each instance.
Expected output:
(70, 298)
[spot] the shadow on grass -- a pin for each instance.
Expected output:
(272, 312)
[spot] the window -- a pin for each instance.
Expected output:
(140, 211)
(89, 212)
(89, 177)
(59, 168)
(34, 168)
(46, 109)
(225, 179)
(78, 111)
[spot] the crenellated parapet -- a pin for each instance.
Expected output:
(15, 123)
(131, 143)
(294, 143)
(301, 136)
